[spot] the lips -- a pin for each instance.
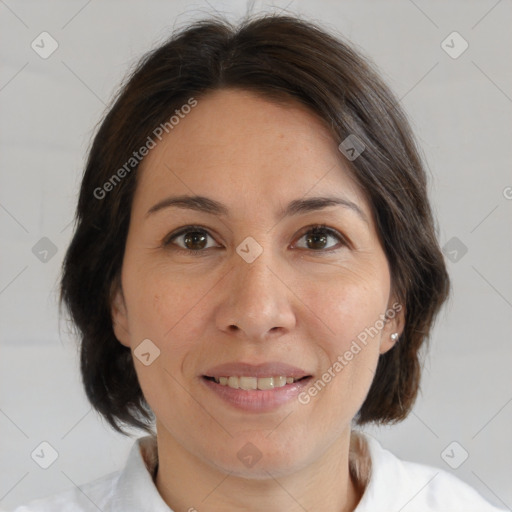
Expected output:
(256, 388)
(249, 377)
(264, 370)
(252, 394)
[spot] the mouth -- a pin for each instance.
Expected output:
(258, 388)
(250, 383)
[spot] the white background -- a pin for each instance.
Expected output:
(461, 110)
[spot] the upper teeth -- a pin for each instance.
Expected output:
(254, 382)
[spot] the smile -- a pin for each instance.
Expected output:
(256, 394)
(252, 383)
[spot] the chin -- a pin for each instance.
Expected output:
(258, 460)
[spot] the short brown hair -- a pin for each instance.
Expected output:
(278, 57)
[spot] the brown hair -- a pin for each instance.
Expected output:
(279, 57)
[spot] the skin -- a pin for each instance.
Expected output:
(299, 302)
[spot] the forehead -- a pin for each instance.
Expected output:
(235, 141)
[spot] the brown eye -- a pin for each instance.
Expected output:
(190, 239)
(317, 238)
(195, 240)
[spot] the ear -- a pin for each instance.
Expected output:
(395, 323)
(119, 315)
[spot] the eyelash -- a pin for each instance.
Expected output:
(198, 252)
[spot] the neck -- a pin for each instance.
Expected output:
(187, 483)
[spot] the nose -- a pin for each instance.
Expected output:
(257, 302)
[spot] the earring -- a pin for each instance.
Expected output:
(394, 336)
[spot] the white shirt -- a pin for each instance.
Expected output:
(394, 485)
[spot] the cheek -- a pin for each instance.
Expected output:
(350, 302)
(349, 307)
(163, 309)
(352, 306)
(162, 300)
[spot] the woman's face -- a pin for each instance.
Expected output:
(261, 289)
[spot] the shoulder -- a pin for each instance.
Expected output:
(127, 490)
(91, 497)
(412, 487)
(438, 490)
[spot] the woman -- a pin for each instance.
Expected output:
(254, 271)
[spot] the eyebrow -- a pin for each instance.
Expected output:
(295, 207)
